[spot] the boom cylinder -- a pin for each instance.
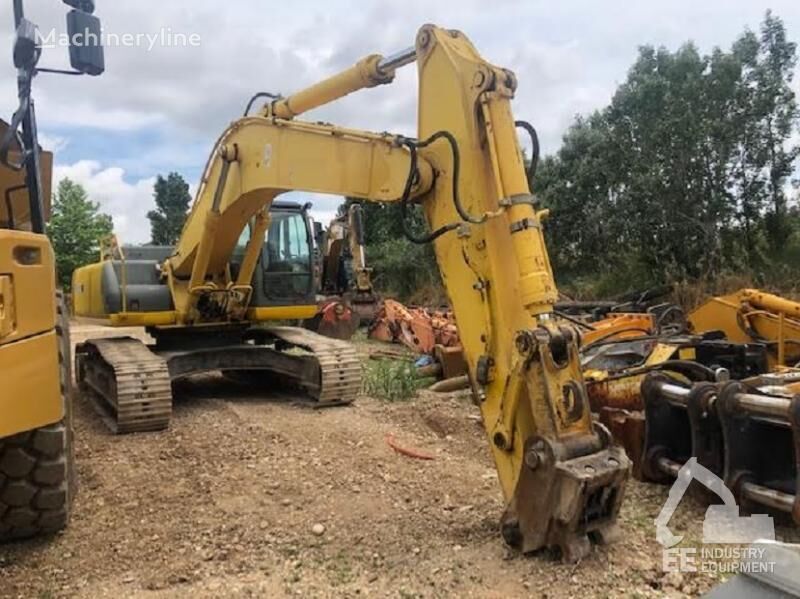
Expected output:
(370, 71)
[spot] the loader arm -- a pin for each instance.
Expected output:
(561, 477)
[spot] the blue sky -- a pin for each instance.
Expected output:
(159, 110)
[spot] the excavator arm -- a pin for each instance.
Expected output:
(355, 238)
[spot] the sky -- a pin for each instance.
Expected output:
(159, 107)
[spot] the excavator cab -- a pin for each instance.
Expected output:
(285, 272)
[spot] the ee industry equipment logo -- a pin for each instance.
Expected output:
(731, 542)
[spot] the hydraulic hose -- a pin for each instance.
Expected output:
(535, 149)
(404, 201)
(256, 97)
(462, 212)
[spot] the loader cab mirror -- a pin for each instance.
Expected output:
(85, 38)
(27, 46)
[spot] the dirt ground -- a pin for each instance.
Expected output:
(252, 496)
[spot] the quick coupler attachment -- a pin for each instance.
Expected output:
(568, 494)
(747, 433)
(762, 441)
(680, 423)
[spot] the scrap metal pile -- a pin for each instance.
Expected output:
(419, 329)
(721, 384)
(429, 332)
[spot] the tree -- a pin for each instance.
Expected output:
(684, 175)
(75, 229)
(401, 268)
(172, 204)
(777, 113)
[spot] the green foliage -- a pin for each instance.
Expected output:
(172, 204)
(393, 380)
(75, 229)
(684, 176)
(400, 268)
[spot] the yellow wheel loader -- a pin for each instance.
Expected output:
(36, 463)
(562, 479)
(35, 427)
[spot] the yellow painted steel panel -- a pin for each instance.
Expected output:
(281, 313)
(30, 393)
(26, 259)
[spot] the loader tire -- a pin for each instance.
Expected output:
(37, 478)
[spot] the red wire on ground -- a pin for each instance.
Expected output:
(411, 453)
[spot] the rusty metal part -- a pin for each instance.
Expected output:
(407, 451)
(449, 385)
(628, 429)
(621, 389)
(451, 360)
(614, 377)
(128, 384)
(335, 319)
(419, 329)
(431, 370)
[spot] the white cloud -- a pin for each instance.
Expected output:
(53, 143)
(127, 203)
(568, 58)
(323, 207)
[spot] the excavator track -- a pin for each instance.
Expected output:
(340, 368)
(127, 383)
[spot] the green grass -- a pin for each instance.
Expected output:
(392, 380)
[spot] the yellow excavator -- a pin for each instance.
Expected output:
(344, 263)
(754, 316)
(562, 478)
(36, 470)
(347, 298)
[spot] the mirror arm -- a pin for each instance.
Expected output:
(59, 72)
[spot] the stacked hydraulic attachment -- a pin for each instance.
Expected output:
(745, 432)
(723, 391)
(561, 476)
